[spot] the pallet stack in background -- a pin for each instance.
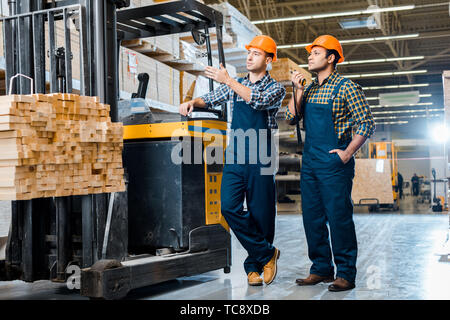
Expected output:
(58, 145)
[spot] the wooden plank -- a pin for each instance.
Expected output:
(17, 98)
(282, 68)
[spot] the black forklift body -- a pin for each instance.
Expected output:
(166, 200)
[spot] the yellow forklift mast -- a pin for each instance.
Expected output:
(387, 150)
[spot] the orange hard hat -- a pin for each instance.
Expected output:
(328, 42)
(264, 43)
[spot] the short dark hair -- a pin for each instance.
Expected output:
(336, 56)
(270, 54)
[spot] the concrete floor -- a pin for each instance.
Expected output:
(396, 260)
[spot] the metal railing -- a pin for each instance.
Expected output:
(26, 46)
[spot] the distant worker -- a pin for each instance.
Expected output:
(415, 185)
(400, 185)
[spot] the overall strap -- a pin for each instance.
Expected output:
(240, 80)
(336, 89)
(305, 94)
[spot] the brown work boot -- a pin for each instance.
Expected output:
(254, 279)
(270, 269)
(340, 284)
(313, 279)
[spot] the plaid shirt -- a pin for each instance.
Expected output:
(350, 107)
(267, 100)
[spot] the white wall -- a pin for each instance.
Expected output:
(439, 163)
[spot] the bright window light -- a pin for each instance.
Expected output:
(440, 133)
(364, 22)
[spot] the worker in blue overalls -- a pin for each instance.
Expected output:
(255, 101)
(330, 107)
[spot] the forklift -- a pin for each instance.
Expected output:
(385, 150)
(168, 223)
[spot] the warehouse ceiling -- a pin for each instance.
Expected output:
(422, 31)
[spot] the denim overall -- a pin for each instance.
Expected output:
(326, 186)
(254, 228)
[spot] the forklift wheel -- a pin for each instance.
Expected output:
(226, 270)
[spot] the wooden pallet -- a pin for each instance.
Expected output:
(372, 181)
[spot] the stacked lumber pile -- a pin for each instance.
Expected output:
(58, 145)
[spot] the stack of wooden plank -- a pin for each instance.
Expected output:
(58, 145)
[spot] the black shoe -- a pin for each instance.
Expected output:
(340, 284)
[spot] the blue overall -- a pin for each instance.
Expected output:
(326, 185)
(254, 228)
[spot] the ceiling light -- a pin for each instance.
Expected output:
(382, 74)
(404, 36)
(408, 111)
(404, 105)
(373, 61)
(397, 86)
(420, 96)
(364, 22)
(392, 122)
(411, 116)
(336, 14)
